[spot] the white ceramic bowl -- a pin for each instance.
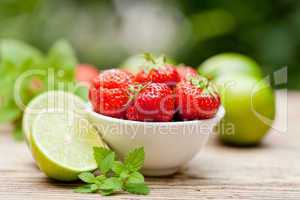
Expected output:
(168, 145)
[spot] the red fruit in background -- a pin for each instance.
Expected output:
(85, 73)
(155, 102)
(185, 72)
(109, 93)
(113, 78)
(196, 99)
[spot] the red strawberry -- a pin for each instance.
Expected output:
(185, 72)
(157, 71)
(196, 99)
(163, 74)
(85, 73)
(113, 78)
(110, 102)
(155, 102)
(109, 93)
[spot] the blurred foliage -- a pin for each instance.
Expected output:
(26, 72)
(106, 32)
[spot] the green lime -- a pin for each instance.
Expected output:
(62, 144)
(49, 101)
(250, 109)
(229, 63)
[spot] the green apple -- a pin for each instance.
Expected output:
(136, 62)
(229, 63)
(250, 109)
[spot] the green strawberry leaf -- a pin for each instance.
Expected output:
(135, 159)
(149, 57)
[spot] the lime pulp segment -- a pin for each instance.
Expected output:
(52, 100)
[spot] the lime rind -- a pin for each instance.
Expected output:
(49, 101)
(62, 144)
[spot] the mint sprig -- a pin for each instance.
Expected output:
(115, 175)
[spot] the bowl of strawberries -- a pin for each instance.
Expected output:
(170, 111)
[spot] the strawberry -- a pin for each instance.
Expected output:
(85, 73)
(113, 78)
(154, 102)
(157, 71)
(109, 93)
(196, 98)
(185, 72)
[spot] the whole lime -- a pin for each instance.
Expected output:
(229, 63)
(250, 109)
(136, 62)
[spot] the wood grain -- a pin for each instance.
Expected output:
(269, 171)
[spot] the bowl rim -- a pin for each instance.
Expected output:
(219, 115)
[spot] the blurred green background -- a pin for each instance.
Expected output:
(105, 33)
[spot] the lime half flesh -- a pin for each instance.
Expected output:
(52, 100)
(62, 144)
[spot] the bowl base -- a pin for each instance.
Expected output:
(159, 172)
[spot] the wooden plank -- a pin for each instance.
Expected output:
(269, 171)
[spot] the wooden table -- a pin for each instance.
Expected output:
(270, 171)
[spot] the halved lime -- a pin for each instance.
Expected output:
(52, 100)
(62, 144)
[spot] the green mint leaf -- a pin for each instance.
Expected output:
(118, 167)
(124, 174)
(106, 192)
(61, 56)
(17, 52)
(99, 154)
(94, 187)
(135, 177)
(100, 178)
(107, 163)
(137, 188)
(112, 183)
(91, 188)
(87, 177)
(17, 132)
(9, 113)
(135, 159)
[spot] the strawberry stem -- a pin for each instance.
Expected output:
(135, 90)
(153, 62)
(149, 57)
(199, 82)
